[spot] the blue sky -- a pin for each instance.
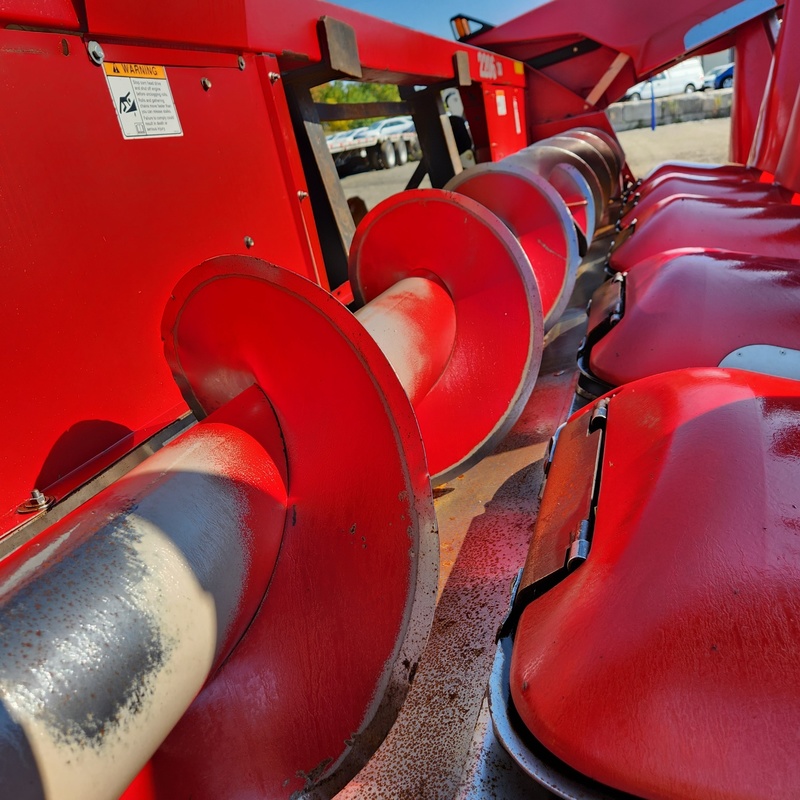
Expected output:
(433, 16)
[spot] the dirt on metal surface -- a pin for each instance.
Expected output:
(487, 521)
(440, 745)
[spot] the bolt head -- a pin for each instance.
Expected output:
(37, 502)
(95, 52)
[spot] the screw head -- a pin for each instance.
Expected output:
(205, 83)
(241, 62)
(95, 52)
(248, 242)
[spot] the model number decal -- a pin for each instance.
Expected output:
(489, 67)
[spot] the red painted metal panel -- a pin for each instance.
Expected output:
(779, 97)
(754, 49)
(685, 221)
(221, 22)
(706, 305)
(787, 171)
(665, 665)
(95, 232)
(553, 109)
(504, 110)
(61, 15)
(291, 30)
(706, 171)
(653, 35)
(654, 193)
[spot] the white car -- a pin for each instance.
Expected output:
(688, 76)
(342, 137)
(386, 127)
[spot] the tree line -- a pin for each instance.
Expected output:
(352, 92)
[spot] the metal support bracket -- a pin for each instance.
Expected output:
(439, 149)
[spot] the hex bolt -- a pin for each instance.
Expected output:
(95, 52)
(248, 242)
(274, 76)
(241, 62)
(302, 195)
(36, 502)
(205, 83)
(38, 499)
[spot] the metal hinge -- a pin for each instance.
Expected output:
(548, 456)
(562, 536)
(599, 417)
(581, 540)
(579, 547)
(606, 309)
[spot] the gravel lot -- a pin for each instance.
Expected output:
(705, 141)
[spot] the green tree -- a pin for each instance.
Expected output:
(354, 92)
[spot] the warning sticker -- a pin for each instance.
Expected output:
(143, 100)
(502, 108)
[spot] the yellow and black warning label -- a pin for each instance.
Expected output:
(135, 70)
(143, 100)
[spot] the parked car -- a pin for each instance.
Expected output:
(386, 127)
(719, 77)
(344, 136)
(684, 77)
